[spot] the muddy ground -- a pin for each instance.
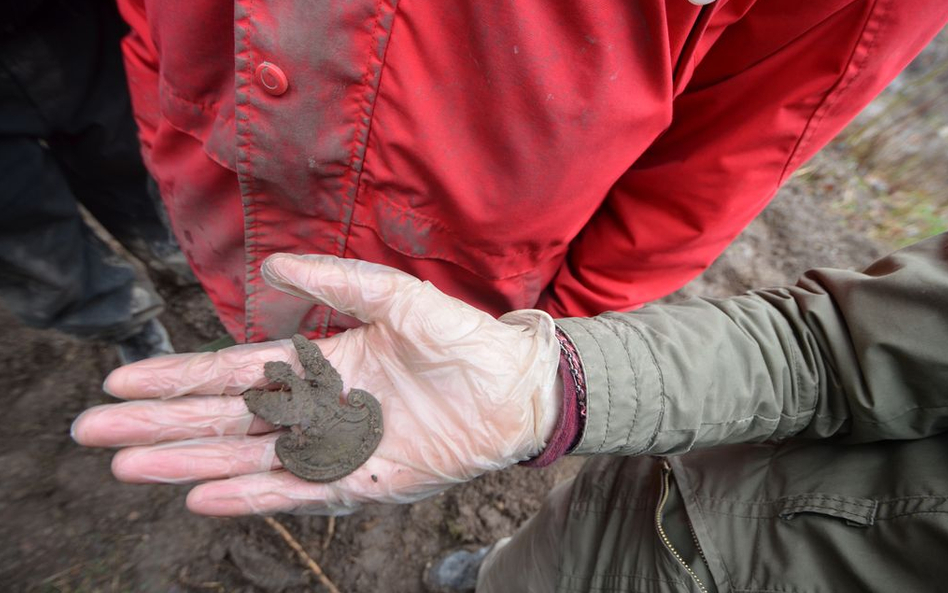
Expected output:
(67, 525)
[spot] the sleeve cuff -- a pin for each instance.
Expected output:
(624, 388)
(572, 416)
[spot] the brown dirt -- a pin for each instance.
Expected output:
(67, 525)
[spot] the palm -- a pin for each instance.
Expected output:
(436, 403)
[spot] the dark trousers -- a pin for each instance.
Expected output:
(67, 137)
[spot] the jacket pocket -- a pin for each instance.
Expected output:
(819, 517)
(854, 511)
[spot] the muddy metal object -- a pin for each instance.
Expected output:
(330, 436)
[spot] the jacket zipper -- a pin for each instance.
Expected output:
(663, 498)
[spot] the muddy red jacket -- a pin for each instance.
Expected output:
(574, 156)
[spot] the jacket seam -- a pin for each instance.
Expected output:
(401, 208)
(797, 497)
(857, 420)
(356, 164)
(441, 227)
(212, 106)
(726, 422)
(605, 364)
(368, 106)
(790, 417)
(836, 512)
(756, 556)
(662, 395)
(914, 497)
(909, 514)
(833, 95)
(630, 576)
(246, 180)
(700, 510)
(635, 382)
(798, 383)
(217, 158)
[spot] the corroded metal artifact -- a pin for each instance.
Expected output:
(330, 437)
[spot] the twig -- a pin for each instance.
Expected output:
(330, 531)
(302, 554)
(61, 573)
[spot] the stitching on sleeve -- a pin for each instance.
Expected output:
(581, 327)
(726, 423)
(794, 374)
(605, 365)
(801, 416)
(662, 395)
(635, 385)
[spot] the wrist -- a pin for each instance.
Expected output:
(542, 349)
(550, 411)
(571, 411)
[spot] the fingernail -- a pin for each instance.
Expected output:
(116, 383)
(105, 385)
(72, 428)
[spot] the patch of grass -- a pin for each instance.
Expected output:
(910, 217)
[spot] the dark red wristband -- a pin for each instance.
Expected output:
(572, 418)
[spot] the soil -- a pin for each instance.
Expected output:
(67, 525)
(331, 437)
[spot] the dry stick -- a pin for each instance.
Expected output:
(330, 531)
(302, 554)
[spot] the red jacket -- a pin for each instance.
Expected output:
(576, 156)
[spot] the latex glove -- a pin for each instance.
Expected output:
(462, 393)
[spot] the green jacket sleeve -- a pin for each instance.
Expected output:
(858, 356)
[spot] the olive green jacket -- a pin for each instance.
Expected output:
(859, 360)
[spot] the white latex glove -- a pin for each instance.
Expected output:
(462, 393)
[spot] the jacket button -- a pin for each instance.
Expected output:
(271, 78)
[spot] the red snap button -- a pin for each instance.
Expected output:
(271, 78)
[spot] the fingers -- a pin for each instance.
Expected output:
(266, 493)
(229, 371)
(149, 422)
(378, 481)
(357, 288)
(197, 460)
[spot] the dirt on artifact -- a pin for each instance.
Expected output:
(67, 525)
(330, 437)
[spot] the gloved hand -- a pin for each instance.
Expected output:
(462, 393)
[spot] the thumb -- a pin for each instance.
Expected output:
(354, 287)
